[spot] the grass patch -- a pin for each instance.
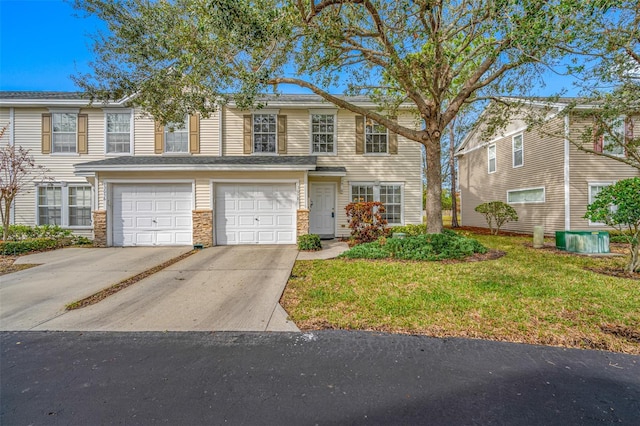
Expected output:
(529, 295)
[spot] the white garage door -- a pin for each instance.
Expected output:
(256, 214)
(152, 215)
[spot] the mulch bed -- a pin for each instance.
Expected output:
(103, 294)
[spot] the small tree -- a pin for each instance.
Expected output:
(498, 212)
(618, 206)
(366, 221)
(17, 169)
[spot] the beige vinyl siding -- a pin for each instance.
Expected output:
(403, 168)
(202, 182)
(28, 128)
(588, 168)
(543, 167)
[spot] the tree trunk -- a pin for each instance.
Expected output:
(434, 186)
(6, 213)
(634, 264)
(452, 170)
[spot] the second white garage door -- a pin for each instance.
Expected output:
(152, 215)
(255, 213)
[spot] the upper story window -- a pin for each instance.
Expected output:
(118, 131)
(176, 136)
(612, 139)
(518, 151)
(265, 134)
(64, 130)
(491, 157)
(376, 138)
(323, 133)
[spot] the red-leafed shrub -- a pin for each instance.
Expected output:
(366, 221)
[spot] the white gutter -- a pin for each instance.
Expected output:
(220, 133)
(328, 174)
(78, 103)
(567, 183)
(91, 170)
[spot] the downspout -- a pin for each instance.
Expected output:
(12, 142)
(220, 132)
(567, 183)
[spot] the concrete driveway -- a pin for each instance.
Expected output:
(230, 288)
(35, 296)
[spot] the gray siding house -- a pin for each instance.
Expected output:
(539, 172)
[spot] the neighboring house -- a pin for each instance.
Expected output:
(540, 173)
(237, 177)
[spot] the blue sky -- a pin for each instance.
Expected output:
(44, 42)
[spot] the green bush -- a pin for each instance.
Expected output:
(497, 213)
(25, 232)
(410, 230)
(447, 245)
(309, 242)
(371, 250)
(26, 246)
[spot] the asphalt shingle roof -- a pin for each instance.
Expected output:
(196, 160)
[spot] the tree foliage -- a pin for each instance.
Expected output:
(618, 206)
(179, 56)
(607, 55)
(17, 170)
(497, 213)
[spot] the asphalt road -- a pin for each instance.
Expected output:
(329, 377)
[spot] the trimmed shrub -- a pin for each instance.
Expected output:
(447, 245)
(26, 246)
(371, 250)
(497, 212)
(309, 242)
(25, 232)
(410, 230)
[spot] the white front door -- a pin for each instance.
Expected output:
(152, 215)
(255, 213)
(322, 210)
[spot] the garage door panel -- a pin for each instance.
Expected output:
(152, 214)
(239, 205)
(284, 220)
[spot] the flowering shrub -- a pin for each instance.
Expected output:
(365, 221)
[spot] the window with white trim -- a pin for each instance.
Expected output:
(265, 134)
(176, 136)
(118, 132)
(376, 138)
(389, 194)
(64, 132)
(391, 197)
(79, 206)
(323, 135)
(518, 151)
(528, 195)
(361, 193)
(491, 158)
(613, 141)
(594, 190)
(49, 205)
(67, 205)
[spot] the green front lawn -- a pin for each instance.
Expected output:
(533, 296)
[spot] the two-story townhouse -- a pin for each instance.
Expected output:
(236, 177)
(539, 171)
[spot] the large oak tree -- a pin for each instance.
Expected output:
(182, 56)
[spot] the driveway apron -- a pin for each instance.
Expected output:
(228, 288)
(34, 296)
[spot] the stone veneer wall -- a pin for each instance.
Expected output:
(303, 221)
(100, 228)
(203, 227)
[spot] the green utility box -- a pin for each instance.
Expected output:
(583, 241)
